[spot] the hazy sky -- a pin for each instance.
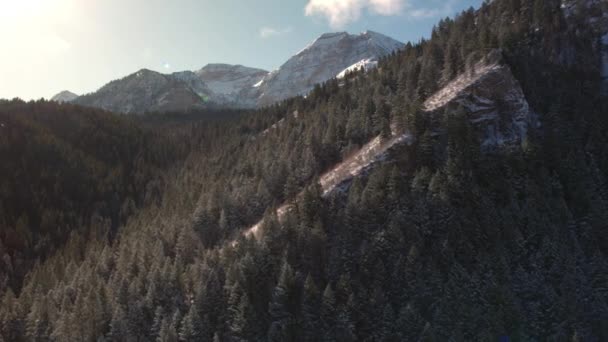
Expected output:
(51, 45)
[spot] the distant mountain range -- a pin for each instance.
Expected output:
(236, 86)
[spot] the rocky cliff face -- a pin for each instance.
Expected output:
(493, 99)
(322, 60)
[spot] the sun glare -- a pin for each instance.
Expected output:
(21, 8)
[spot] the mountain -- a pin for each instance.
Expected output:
(149, 91)
(64, 96)
(232, 85)
(237, 86)
(323, 59)
(458, 193)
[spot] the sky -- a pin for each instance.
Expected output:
(47, 46)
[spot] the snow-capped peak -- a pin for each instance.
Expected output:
(64, 96)
(323, 59)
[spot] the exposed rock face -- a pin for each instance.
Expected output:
(322, 60)
(232, 85)
(64, 96)
(493, 100)
(148, 90)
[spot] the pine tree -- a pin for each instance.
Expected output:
(328, 314)
(119, 329)
(37, 321)
(191, 328)
(157, 322)
(310, 311)
(167, 332)
(281, 318)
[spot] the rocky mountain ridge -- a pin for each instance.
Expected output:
(237, 86)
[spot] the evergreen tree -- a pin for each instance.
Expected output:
(310, 311)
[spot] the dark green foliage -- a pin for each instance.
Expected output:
(440, 242)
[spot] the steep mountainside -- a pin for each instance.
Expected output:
(488, 94)
(322, 60)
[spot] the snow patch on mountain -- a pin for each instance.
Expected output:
(259, 84)
(365, 64)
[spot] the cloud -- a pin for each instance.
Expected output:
(166, 65)
(342, 12)
(268, 32)
(425, 13)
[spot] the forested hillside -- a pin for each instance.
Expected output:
(66, 169)
(446, 239)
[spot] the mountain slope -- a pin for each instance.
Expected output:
(494, 104)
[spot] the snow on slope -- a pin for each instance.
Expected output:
(365, 64)
(453, 89)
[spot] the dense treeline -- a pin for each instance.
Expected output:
(67, 168)
(441, 242)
